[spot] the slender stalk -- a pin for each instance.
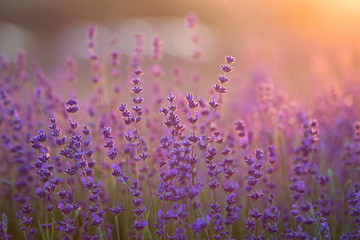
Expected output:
(116, 217)
(116, 191)
(41, 230)
(310, 192)
(151, 195)
(206, 136)
(100, 233)
(192, 155)
(46, 219)
(146, 169)
(25, 237)
(71, 186)
(126, 201)
(52, 230)
(256, 224)
(117, 227)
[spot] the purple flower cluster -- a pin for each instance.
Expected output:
(172, 167)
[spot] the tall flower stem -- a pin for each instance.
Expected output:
(206, 136)
(100, 233)
(116, 216)
(219, 88)
(46, 218)
(146, 170)
(117, 227)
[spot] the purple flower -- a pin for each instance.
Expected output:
(213, 104)
(160, 222)
(200, 224)
(65, 208)
(116, 210)
(96, 220)
(122, 107)
(191, 20)
(223, 79)
(226, 68)
(255, 213)
(106, 132)
(137, 90)
(230, 186)
(229, 59)
(41, 137)
(26, 209)
(219, 88)
(71, 106)
(92, 30)
(299, 187)
(26, 221)
(139, 224)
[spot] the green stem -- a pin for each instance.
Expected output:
(41, 230)
(46, 219)
(151, 195)
(71, 186)
(117, 227)
(100, 233)
(116, 217)
(192, 155)
(116, 191)
(206, 136)
(310, 192)
(146, 169)
(256, 224)
(52, 229)
(25, 237)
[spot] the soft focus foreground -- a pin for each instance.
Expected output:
(137, 160)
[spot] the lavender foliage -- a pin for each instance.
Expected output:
(115, 166)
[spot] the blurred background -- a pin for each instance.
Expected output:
(291, 42)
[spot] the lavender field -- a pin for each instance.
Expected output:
(145, 147)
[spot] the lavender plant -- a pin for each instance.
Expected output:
(153, 167)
